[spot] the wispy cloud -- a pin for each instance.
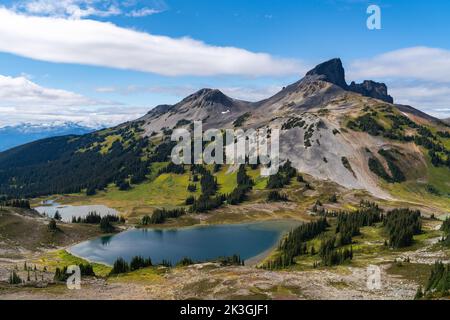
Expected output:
(20, 90)
(432, 98)
(98, 43)
(143, 12)
(423, 63)
(417, 76)
(78, 9)
(22, 100)
(74, 9)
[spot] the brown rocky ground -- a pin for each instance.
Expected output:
(209, 281)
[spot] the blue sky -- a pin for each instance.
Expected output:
(103, 62)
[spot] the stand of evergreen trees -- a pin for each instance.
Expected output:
(86, 270)
(424, 137)
(192, 188)
(185, 262)
(234, 260)
(208, 184)
(331, 256)
(349, 224)
(209, 200)
(14, 278)
(172, 168)
(397, 176)
(106, 226)
(401, 226)
(71, 164)
(136, 263)
(52, 226)
(283, 178)
(438, 284)
(160, 216)
(295, 244)
(105, 223)
(120, 266)
(244, 185)
(139, 262)
(95, 218)
(366, 123)
(162, 151)
(15, 203)
(190, 200)
(276, 196)
(445, 228)
(123, 185)
(206, 203)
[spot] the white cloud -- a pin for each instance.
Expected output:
(22, 100)
(79, 9)
(98, 43)
(432, 98)
(416, 76)
(143, 12)
(91, 117)
(21, 90)
(74, 9)
(105, 89)
(423, 63)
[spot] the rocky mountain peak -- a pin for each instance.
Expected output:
(158, 110)
(210, 96)
(330, 71)
(372, 89)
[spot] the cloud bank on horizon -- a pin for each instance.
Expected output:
(22, 100)
(65, 32)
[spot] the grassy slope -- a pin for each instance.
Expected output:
(368, 248)
(227, 181)
(166, 190)
(62, 258)
(24, 229)
(416, 192)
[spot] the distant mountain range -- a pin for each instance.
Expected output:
(12, 136)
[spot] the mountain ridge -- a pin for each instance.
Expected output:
(328, 132)
(318, 86)
(15, 135)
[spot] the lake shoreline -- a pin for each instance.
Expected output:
(252, 261)
(245, 236)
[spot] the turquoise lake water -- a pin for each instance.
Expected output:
(203, 243)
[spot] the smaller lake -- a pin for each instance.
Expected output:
(202, 243)
(67, 212)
